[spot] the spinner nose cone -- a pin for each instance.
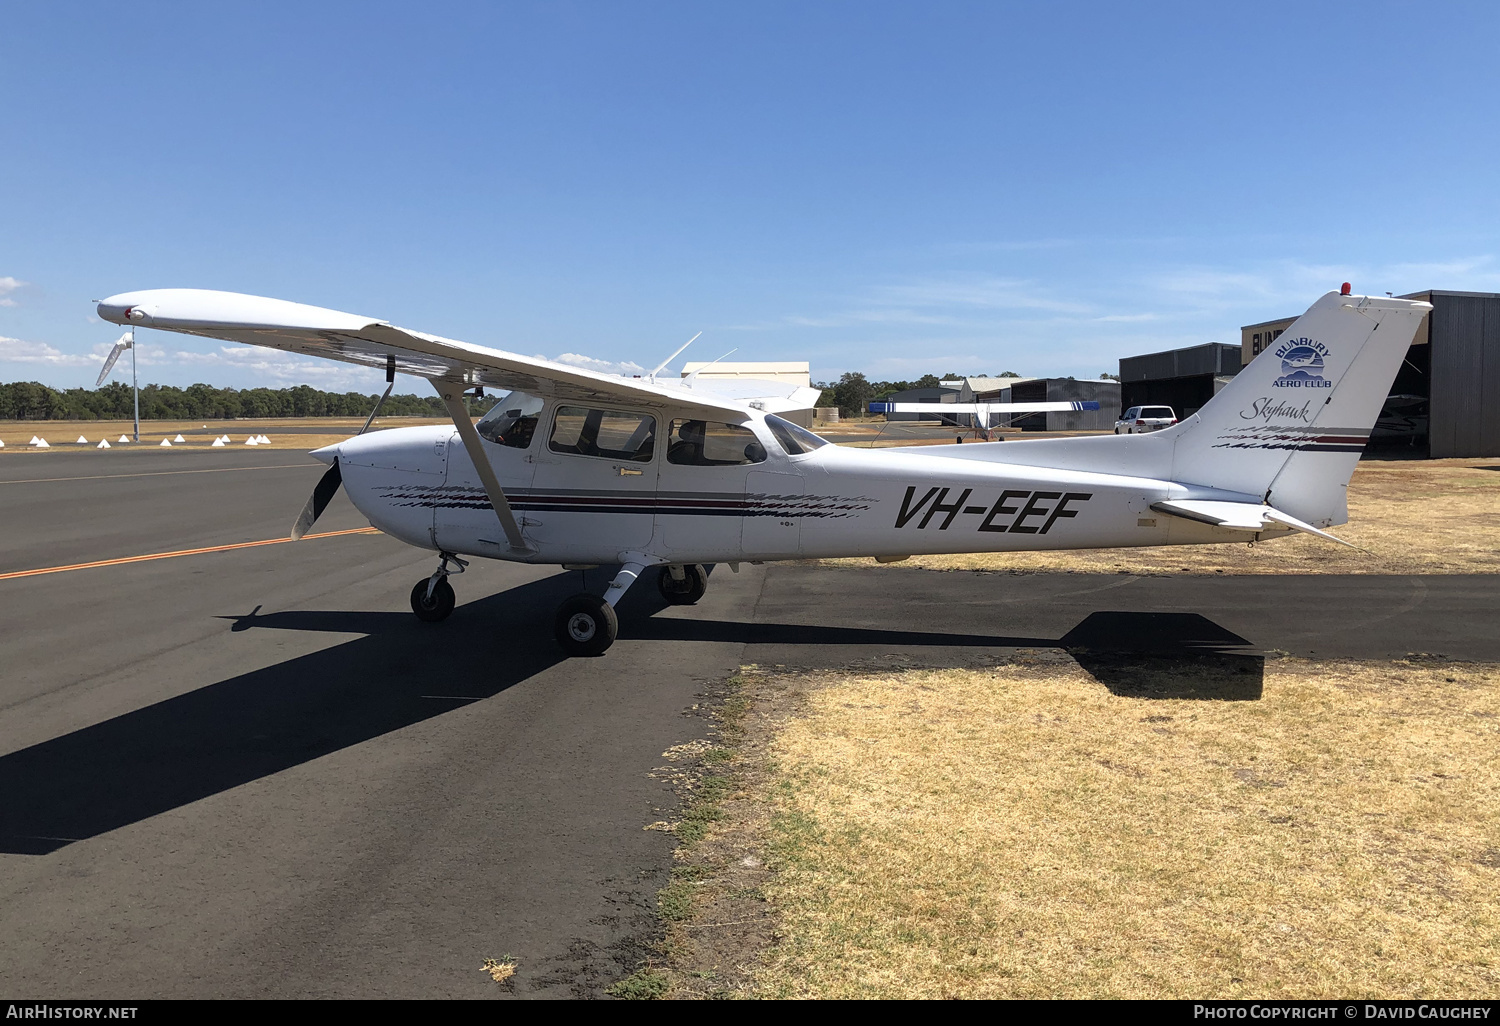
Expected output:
(327, 454)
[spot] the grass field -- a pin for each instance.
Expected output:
(1414, 516)
(304, 434)
(1025, 832)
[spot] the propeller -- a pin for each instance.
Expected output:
(126, 341)
(318, 501)
(329, 483)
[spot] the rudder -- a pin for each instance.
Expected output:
(1290, 427)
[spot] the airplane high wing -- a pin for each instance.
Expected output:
(986, 414)
(350, 338)
(585, 469)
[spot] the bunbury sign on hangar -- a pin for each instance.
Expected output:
(578, 468)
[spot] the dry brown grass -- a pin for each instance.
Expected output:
(291, 433)
(1024, 832)
(500, 969)
(1414, 517)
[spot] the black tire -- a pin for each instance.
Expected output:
(1117, 431)
(586, 625)
(436, 608)
(687, 591)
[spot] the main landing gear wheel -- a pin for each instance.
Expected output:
(686, 591)
(438, 605)
(586, 625)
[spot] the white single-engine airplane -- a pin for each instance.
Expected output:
(580, 469)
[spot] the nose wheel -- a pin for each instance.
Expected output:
(432, 598)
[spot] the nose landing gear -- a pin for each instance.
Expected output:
(432, 598)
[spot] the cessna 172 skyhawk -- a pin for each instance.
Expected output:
(580, 468)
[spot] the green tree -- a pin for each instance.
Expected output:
(852, 393)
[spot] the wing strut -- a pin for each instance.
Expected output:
(452, 393)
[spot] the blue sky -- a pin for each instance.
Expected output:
(892, 188)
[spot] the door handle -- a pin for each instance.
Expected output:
(629, 471)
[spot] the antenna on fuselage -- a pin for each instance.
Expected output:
(662, 366)
(694, 376)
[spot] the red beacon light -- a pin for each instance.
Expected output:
(1344, 289)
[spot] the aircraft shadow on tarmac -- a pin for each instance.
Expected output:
(222, 735)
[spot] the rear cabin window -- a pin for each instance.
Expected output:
(705, 443)
(608, 434)
(1157, 413)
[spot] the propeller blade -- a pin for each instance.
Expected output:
(327, 485)
(114, 354)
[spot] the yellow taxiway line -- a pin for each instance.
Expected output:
(182, 552)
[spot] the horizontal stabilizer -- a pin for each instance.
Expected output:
(1240, 516)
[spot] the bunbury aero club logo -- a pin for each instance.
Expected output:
(1301, 364)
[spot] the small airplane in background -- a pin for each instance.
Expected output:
(578, 468)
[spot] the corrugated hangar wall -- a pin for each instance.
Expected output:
(1184, 379)
(1465, 399)
(1105, 393)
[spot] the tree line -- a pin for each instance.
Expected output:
(853, 391)
(31, 400)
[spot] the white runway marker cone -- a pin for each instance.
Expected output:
(179, 438)
(2, 445)
(81, 441)
(41, 443)
(124, 438)
(218, 444)
(33, 440)
(165, 444)
(264, 440)
(103, 444)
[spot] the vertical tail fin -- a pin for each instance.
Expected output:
(1290, 427)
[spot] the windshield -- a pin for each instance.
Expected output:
(512, 420)
(795, 440)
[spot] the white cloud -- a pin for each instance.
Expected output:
(953, 301)
(976, 292)
(15, 350)
(599, 366)
(7, 286)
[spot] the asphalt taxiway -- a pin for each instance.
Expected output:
(252, 772)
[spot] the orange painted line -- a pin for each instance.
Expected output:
(182, 552)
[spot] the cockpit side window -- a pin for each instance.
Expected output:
(607, 434)
(700, 443)
(795, 440)
(512, 420)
